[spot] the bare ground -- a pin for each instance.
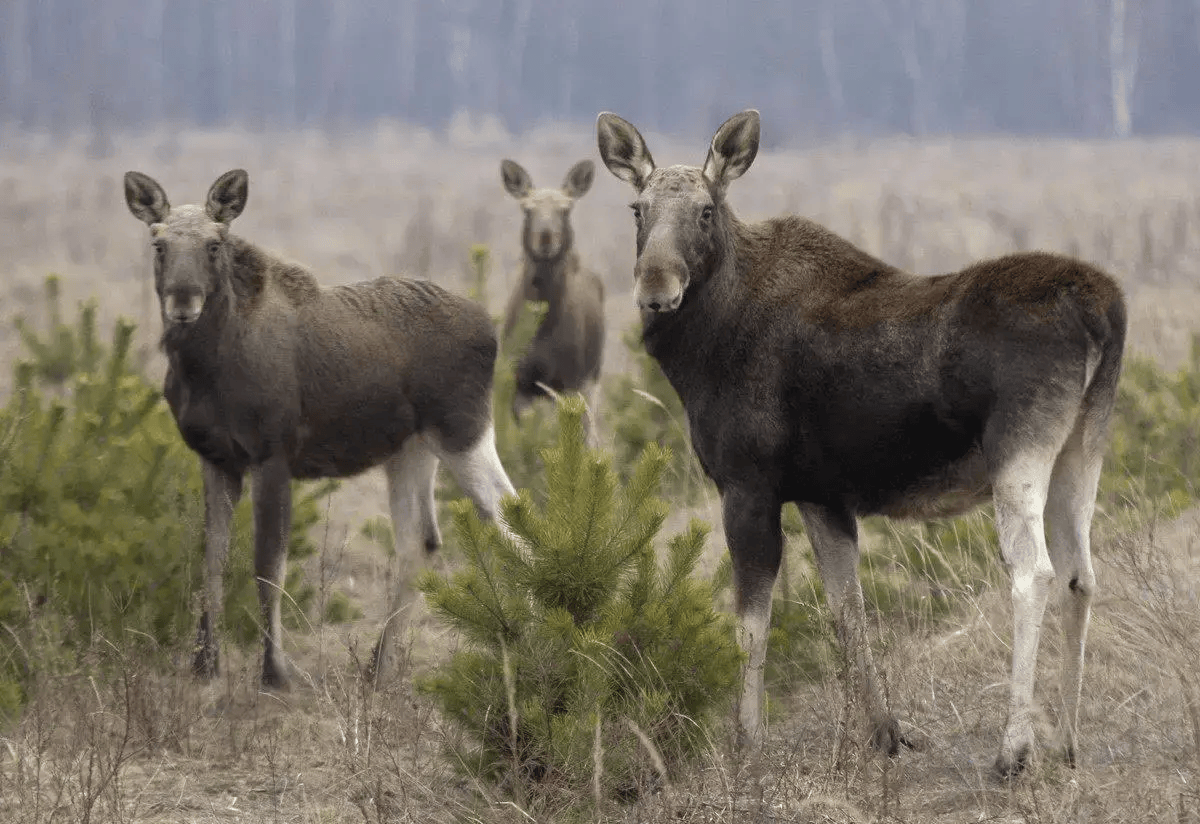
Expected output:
(143, 746)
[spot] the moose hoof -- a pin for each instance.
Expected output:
(383, 662)
(1068, 755)
(1009, 765)
(887, 738)
(747, 743)
(205, 664)
(275, 676)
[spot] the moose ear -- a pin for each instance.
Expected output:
(517, 181)
(227, 196)
(579, 179)
(733, 149)
(145, 198)
(623, 150)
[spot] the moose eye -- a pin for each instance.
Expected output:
(160, 250)
(706, 213)
(214, 248)
(637, 213)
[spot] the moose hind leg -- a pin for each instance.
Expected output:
(222, 491)
(755, 537)
(1070, 505)
(272, 528)
(834, 536)
(480, 474)
(411, 474)
(1020, 495)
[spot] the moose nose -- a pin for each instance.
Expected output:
(183, 308)
(662, 304)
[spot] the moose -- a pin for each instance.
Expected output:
(566, 350)
(814, 373)
(272, 374)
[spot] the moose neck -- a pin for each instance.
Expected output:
(697, 335)
(194, 347)
(552, 275)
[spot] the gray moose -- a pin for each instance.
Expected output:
(566, 350)
(272, 374)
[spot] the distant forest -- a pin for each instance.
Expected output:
(822, 67)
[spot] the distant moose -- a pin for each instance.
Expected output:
(812, 372)
(566, 350)
(272, 374)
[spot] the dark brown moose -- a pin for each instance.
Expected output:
(272, 374)
(812, 372)
(566, 350)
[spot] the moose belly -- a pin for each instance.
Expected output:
(954, 489)
(347, 444)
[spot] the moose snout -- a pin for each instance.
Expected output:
(660, 289)
(183, 307)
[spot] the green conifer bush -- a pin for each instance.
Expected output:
(1154, 446)
(575, 636)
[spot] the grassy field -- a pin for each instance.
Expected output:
(138, 744)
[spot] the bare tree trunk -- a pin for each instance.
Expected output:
(523, 13)
(407, 40)
(929, 35)
(223, 33)
(649, 34)
(570, 58)
(1123, 66)
(827, 39)
(334, 65)
(18, 61)
(287, 64)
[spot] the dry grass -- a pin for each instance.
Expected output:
(114, 739)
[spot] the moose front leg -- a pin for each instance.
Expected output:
(834, 537)
(272, 526)
(755, 537)
(222, 490)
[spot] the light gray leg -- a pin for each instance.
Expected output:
(480, 474)
(221, 493)
(272, 528)
(834, 537)
(1020, 493)
(411, 475)
(1069, 507)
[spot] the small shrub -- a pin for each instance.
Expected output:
(577, 639)
(1154, 444)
